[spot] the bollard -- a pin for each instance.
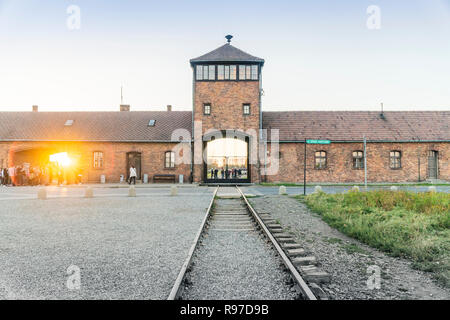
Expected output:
(89, 192)
(318, 189)
(132, 191)
(355, 189)
(432, 189)
(282, 190)
(173, 190)
(42, 193)
(394, 188)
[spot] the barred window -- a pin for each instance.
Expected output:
(395, 159)
(358, 160)
(169, 159)
(246, 109)
(207, 109)
(98, 160)
(320, 160)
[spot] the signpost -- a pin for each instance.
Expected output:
(315, 141)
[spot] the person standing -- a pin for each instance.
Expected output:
(133, 175)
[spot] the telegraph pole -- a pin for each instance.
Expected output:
(365, 164)
(304, 172)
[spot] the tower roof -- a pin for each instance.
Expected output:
(227, 53)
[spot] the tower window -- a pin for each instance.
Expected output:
(207, 109)
(199, 75)
(248, 72)
(212, 72)
(232, 72)
(320, 160)
(220, 72)
(246, 108)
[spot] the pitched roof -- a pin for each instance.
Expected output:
(293, 125)
(92, 126)
(353, 125)
(227, 53)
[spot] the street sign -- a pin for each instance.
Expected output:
(318, 141)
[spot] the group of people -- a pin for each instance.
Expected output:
(26, 175)
(234, 173)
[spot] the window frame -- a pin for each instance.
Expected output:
(397, 160)
(95, 161)
(355, 160)
(204, 109)
(171, 159)
(249, 109)
(320, 157)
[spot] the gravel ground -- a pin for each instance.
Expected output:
(237, 265)
(347, 260)
(126, 248)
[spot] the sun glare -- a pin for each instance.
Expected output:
(61, 159)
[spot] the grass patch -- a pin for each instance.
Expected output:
(290, 184)
(353, 248)
(405, 224)
(333, 240)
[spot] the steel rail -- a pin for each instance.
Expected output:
(175, 292)
(287, 262)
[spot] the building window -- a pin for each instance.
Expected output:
(199, 75)
(320, 160)
(212, 72)
(233, 72)
(395, 160)
(207, 109)
(358, 160)
(248, 72)
(254, 72)
(98, 159)
(220, 72)
(169, 161)
(226, 72)
(246, 108)
(205, 72)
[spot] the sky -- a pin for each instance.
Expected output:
(320, 55)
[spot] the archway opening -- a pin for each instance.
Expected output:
(227, 160)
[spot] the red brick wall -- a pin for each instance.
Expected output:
(152, 157)
(227, 99)
(340, 168)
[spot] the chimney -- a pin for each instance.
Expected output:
(124, 107)
(169, 107)
(35, 108)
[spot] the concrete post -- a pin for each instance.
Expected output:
(394, 188)
(318, 189)
(355, 189)
(89, 192)
(282, 190)
(42, 193)
(432, 189)
(132, 191)
(173, 190)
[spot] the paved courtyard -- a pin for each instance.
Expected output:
(125, 248)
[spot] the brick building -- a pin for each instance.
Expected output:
(228, 138)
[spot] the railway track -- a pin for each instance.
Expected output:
(231, 213)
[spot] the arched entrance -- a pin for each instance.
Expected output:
(227, 160)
